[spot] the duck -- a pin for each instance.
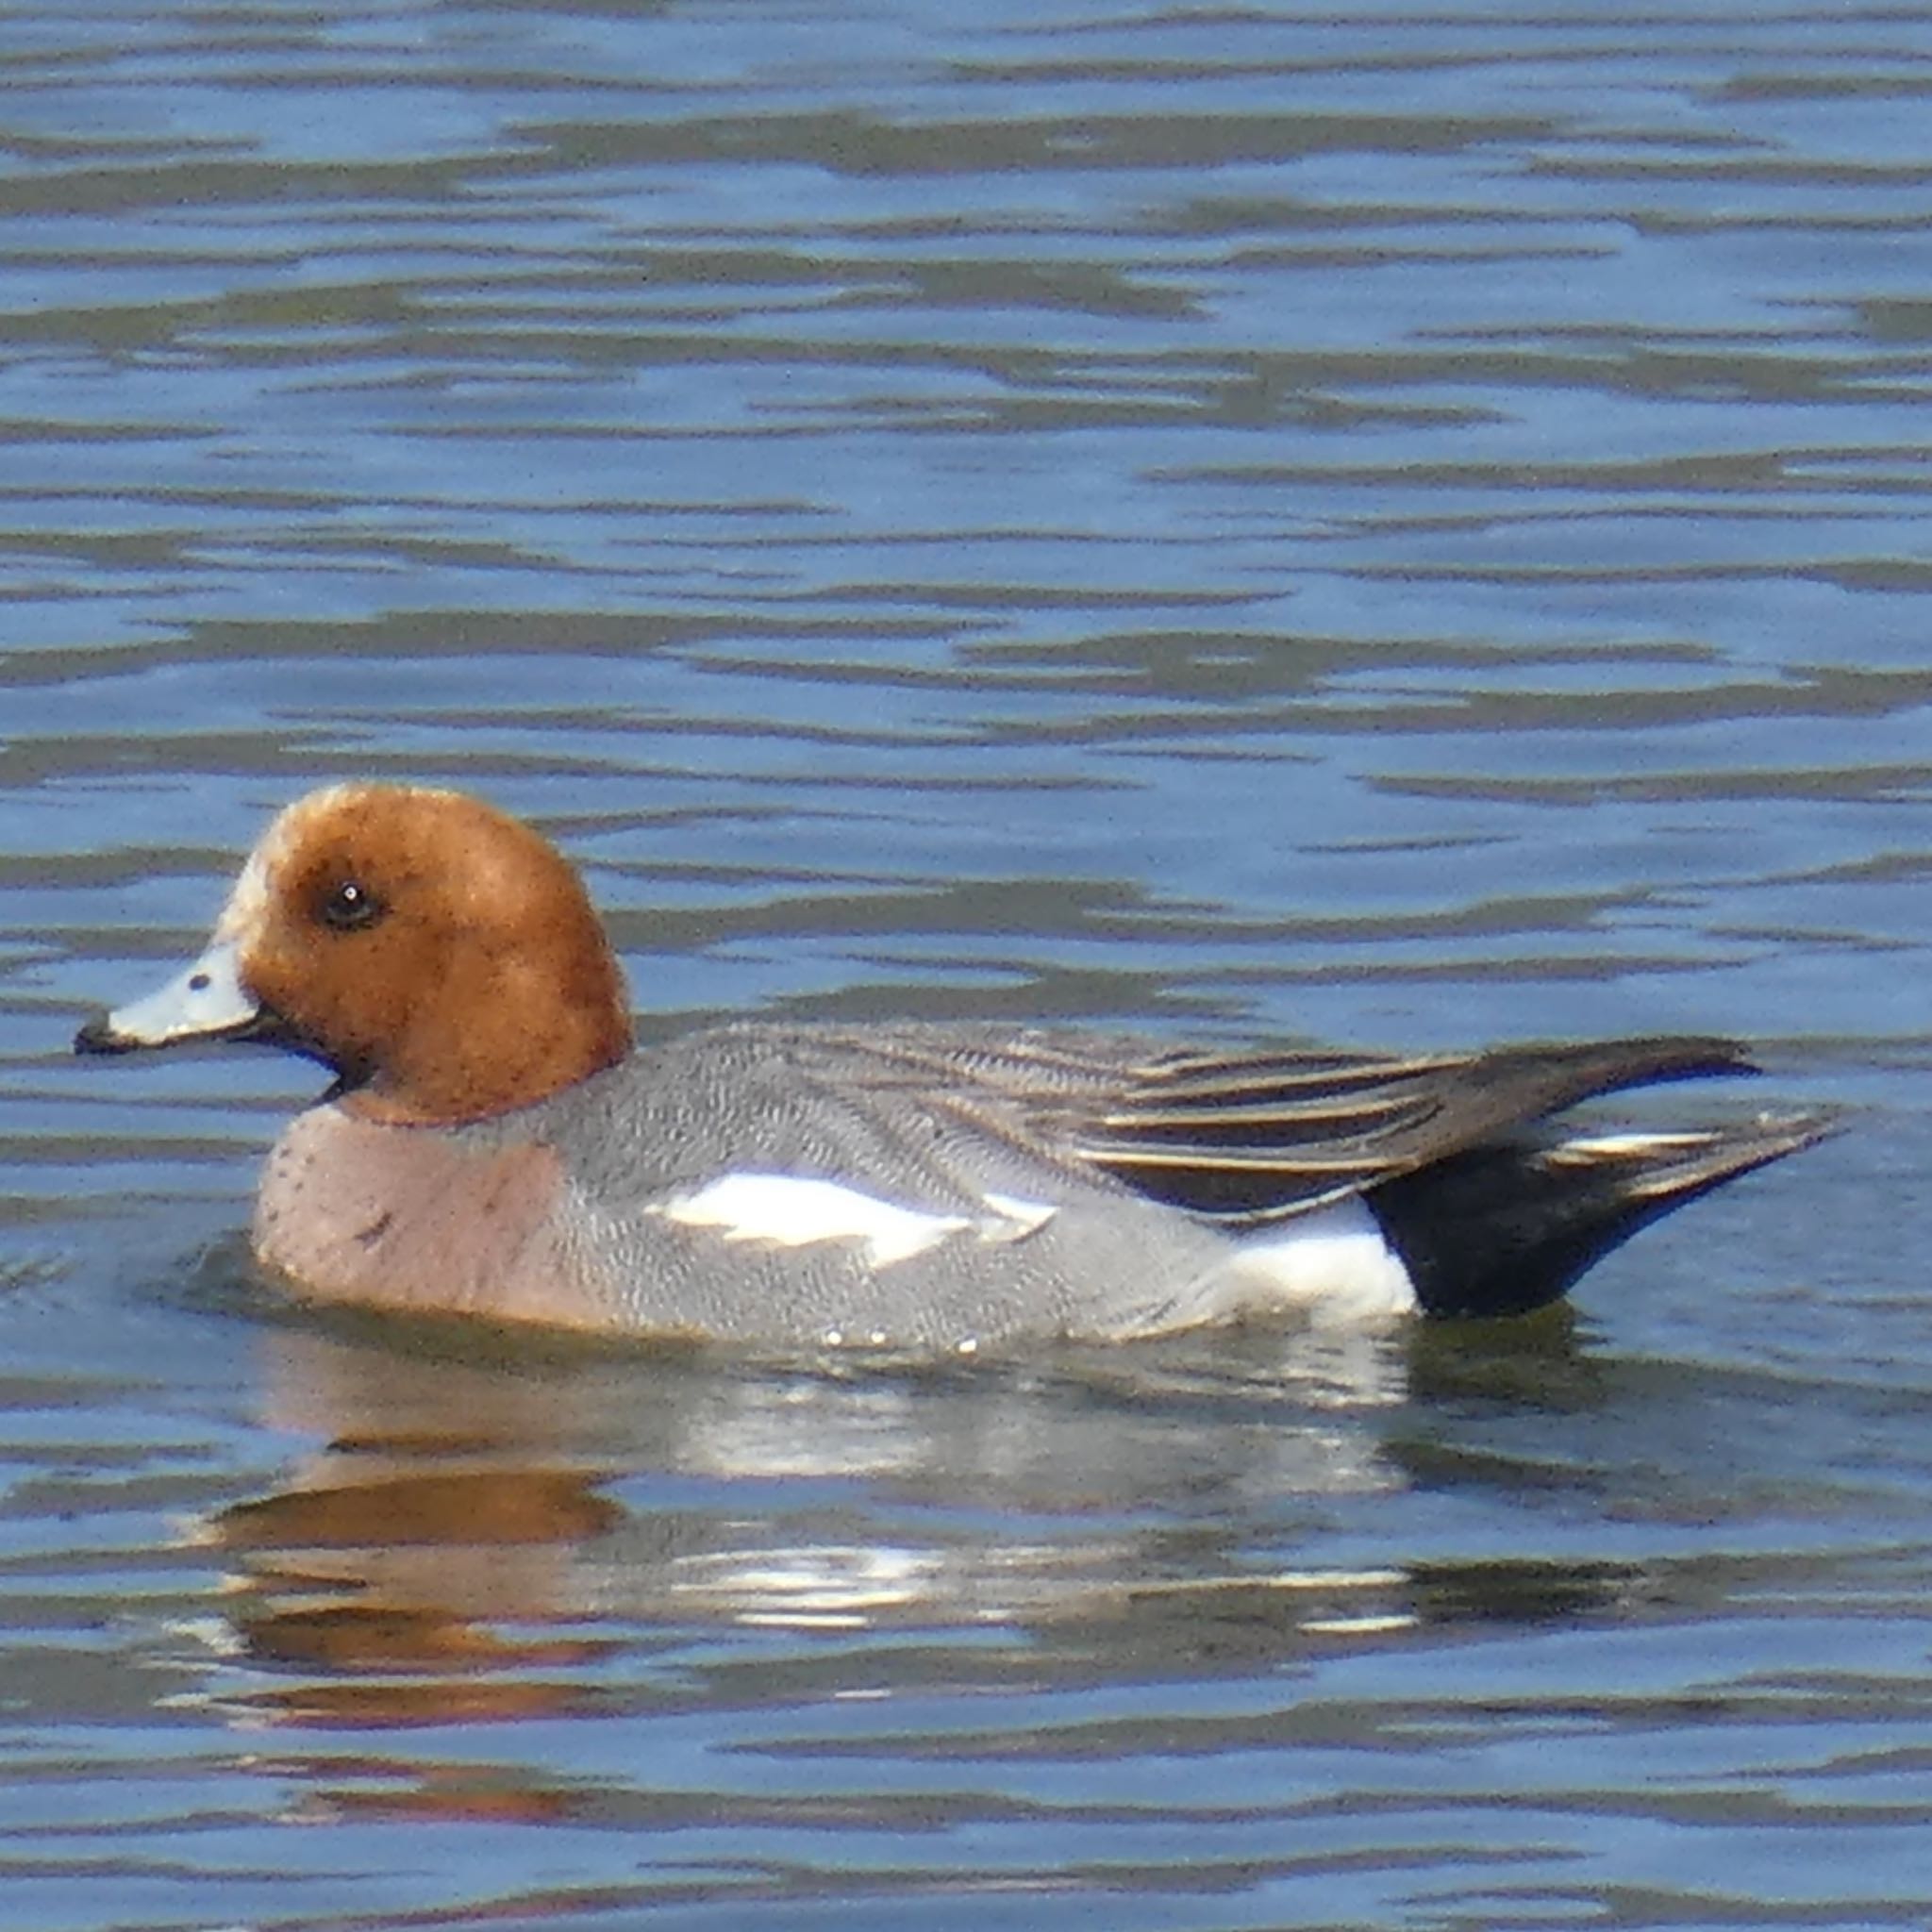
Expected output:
(496, 1144)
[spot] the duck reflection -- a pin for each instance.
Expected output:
(488, 1525)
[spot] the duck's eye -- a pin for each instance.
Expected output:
(348, 906)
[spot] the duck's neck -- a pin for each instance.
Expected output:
(496, 1039)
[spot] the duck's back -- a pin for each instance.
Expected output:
(919, 1186)
(938, 1188)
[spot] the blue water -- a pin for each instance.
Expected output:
(1395, 528)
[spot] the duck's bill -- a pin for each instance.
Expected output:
(207, 1000)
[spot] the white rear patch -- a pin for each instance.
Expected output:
(788, 1211)
(1336, 1264)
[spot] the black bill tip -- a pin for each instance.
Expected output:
(98, 1036)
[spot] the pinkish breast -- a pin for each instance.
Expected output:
(404, 1217)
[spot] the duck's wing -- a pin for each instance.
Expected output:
(1250, 1135)
(1257, 1135)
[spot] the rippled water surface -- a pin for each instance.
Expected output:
(1391, 528)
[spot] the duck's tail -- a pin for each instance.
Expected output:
(1502, 1228)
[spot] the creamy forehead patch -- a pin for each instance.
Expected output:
(248, 899)
(248, 902)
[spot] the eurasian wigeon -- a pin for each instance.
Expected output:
(494, 1145)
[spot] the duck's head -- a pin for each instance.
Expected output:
(442, 959)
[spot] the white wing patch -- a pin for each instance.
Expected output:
(788, 1211)
(1015, 1219)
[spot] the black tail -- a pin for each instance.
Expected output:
(1503, 1228)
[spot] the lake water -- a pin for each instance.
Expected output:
(1391, 527)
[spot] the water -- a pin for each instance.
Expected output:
(1396, 528)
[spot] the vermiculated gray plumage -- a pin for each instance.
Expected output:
(1158, 1162)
